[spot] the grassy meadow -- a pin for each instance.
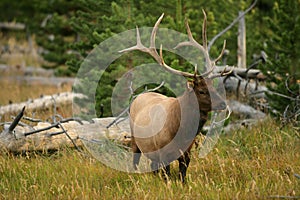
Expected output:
(257, 163)
(249, 163)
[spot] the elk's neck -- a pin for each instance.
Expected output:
(190, 108)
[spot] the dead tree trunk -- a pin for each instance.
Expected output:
(46, 136)
(241, 54)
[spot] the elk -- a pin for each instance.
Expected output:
(164, 128)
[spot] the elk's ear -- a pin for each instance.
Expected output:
(190, 86)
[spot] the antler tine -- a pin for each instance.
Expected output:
(154, 30)
(223, 73)
(192, 42)
(138, 46)
(204, 35)
(195, 70)
(152, 49)
(222, 52)
(170, 69)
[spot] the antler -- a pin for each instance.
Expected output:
(210, 64)
(139, 46)
(152, 50)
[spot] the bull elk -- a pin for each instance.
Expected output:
(164, 128)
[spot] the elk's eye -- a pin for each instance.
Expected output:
(202, 92)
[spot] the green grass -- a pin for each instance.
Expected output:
(245, 164)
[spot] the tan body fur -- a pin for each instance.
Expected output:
(163, 128)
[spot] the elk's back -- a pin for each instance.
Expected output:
(154, 120)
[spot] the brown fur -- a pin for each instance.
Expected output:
(164, 128)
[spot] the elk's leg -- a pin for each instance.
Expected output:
(136, 153)
(155, 166)
(166, 172)
(184, 162)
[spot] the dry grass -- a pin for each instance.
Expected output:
(20, 55)
(16, 92)
(19, 52)
(19, 91)
(246, 164)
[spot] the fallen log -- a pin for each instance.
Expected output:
(46, 136)
(40, 103)
(17, 136)
(12, 26)
(244, 111)
(73, 132)
(240, 73)
(250, 89)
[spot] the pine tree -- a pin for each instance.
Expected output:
(283, 47)
(72, 29)
(97, 21)
(55, 33)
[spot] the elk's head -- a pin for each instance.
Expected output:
(208, 97)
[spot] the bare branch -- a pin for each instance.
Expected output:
(55, 125)
(16, 120)
(32, 119)
(71, 119)
(231, 25)
(287, 86)
(61, 126)
(40, 130)
(54, 108)
(284, 96)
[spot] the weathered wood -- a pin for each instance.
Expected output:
(241, 53)
(245, 111)
(241, 73)
(40, 103)
(249, 89)
(55, 138)
(12, 26)
(231, 24)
